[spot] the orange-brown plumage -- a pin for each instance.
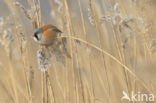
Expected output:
(49, 26)
(47, 35)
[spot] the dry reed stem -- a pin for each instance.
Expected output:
(47, 89)
(13, 83)
(43, 86)
(43, 75)
(146, 42)
(100, 42)
(51, 93)
(25, 75)
(12, 76)
(85, 34)
(148, 48)
(11, 68)
(36, 11)
(63, 93)
(77, 95)
(135, 58)
(59, 85)
(128, 83)
(121, 53)
(40, 13)
(24, 69)
(124, 61)
(81, 83)
(111, 56)
(79, 74)
(68, 18)
(13, 9)
(27, 83)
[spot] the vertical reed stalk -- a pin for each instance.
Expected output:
(85, 34)
(97, 27)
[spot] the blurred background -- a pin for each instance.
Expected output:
(112, 44)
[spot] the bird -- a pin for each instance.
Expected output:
(47, 36)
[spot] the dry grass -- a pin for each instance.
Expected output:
(112, 44)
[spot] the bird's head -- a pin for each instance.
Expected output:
(37, 35)
(46, 34)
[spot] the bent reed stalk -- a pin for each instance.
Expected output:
(111, 56)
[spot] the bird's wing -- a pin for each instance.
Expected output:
(50, 26)
(49, 34)
(55, 29)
